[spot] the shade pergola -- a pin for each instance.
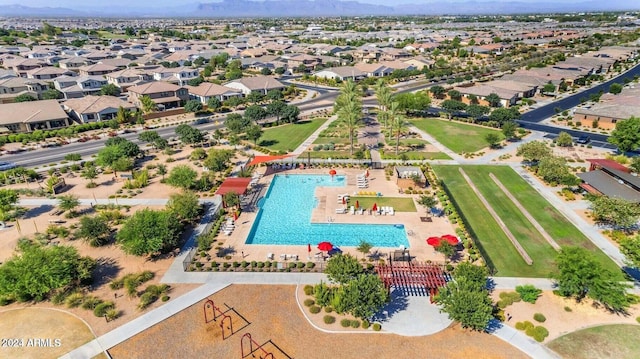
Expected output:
(234, 184)
(262, 159)
(431, 277)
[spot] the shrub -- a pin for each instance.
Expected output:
(538, 333)
(308, 289)
(377, 327)
(355, 324)
(365, 324)
(329, 319)
(91, 303)
(508, 298)
(328, 309)
(101, 309)
(568, 309)
(4, 300)
(638, 319)
(520, 325)
(74, 300)
(345, 323)
(164, 298)
(310, 265)
(315, 309)
(528, 293)
(146, 299)
(112, 314)
(539, 317)
(309, 302)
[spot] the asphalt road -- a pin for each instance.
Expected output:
(530, 120)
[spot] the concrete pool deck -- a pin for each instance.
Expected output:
(417, 230)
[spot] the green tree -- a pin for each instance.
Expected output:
(364, 247)
(626, 135)
(348, 107)
(477, 111)
(148, 106)
(24, 98)
(564, 139)
(72, 157)
(236, 123)
(549, 88)
(362, 296)
(52, 94)
(635, 164)
(276, 108)
(274, 95)
(554, 169)
(109, 90)
(452, 106)
(446, 249)
(412, 103)
(149, 232)
(149, 136)
(193, 106)
(185, 206)
(34, 272)
(231, 199)
(534, 151)
(454, 95)
(437, 91)
(613, 211)
(8, 199)
(129, 149)
(68, 202)
(255, 113)
(214, 103)
(162, 170)
(493, 139)
(94, 230)
(630, 247)
(615, 88)
(509, 129)
(188, 134)
(290, 114)
(90, 173)
(123, 115)
(182, 176)
(580, 275)
(217, 160)
(493, 99)
(503, 115)
(254, 132)
(427, 202)
(343, 268)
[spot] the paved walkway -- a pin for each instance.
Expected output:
(519, 340)
(436, 144)
(305, 145)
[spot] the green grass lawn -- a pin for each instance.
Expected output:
(497, 246)
(335, 140)
(619, 341)
(458, 137)
(110, 35)
(399, 204)
(417, 155)
(288, 137)
(325, 154)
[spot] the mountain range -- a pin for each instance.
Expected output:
(311, 8)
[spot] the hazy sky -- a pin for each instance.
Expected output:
(141, 3)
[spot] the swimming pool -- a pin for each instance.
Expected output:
(284, 217)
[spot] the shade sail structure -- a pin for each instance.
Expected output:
(234, 184)
(325, 246)
(433, 241)
(263, 159)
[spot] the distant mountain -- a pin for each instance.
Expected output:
(310, 8)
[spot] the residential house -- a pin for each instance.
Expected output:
(95, 108)
(97, 70)
(129, 77)
(262, 84)
(119, 63)
(48, 73)
(164, 94)
(177, 75)
(420, 62)
(373, 69)
(12, 87)
(481, 91)
(610, 110)
(341, 73)
(75, 63)
(76, 87)
(206, 90)
(22, 66)
(31, 116)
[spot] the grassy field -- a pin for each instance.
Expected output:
(110, 35)
(458, 137)
(608, 341)
(399, 204)
(417, 155)
(492, 238)
(289, 137)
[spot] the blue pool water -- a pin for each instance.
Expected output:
(284, 217)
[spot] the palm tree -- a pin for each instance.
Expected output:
(398, 124)
(383, 95)
(348, 107)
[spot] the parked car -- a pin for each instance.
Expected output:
(583, 140)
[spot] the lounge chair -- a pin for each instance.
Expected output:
(352, 210)
(283, 257)
(341, 210)
(270, 256)
(391, 211)
(293, 257)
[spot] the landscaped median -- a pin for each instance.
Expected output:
(502, 256)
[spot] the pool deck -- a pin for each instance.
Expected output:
(328, 202)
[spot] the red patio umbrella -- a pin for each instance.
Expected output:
(325, 246)
(375, 207)
(309, 247)
(453, 240)
(357, 204)
(433, 241)
(366, 174)
(235, 215)
(344, 200)
(332, 172)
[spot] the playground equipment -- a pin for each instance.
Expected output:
(212, 313)
(263, 353)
